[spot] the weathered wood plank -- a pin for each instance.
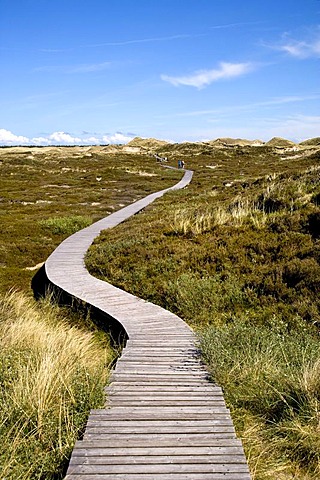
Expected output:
(173, 378)
(157, 440)
(161, 476)
(160, 468)
(96, 448)
(157, 459)
(147, 387)
(212, 423)
(136, 429)
(162, 403)
(123, 396)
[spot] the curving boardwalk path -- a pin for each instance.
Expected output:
(164, 419)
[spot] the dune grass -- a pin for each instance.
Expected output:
(51, 374)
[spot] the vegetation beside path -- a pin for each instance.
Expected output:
(236, 255)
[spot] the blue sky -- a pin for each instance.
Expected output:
(104, 71)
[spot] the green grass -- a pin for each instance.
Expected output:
(65, 225)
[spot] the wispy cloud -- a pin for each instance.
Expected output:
(178, 36)
(145, 40)
(71, 69)
(235, 25)
(302, 48)
(245, 107)
(203, 78)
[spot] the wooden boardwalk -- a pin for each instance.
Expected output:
(163, 418)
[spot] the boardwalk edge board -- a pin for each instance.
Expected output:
(163, 419)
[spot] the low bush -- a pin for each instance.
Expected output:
(65, 225)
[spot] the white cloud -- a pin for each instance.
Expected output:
(9, 138)
(116, 138)
(202, 78)
(92, 141)
(63, 138)
(41, 141)
(302, 49)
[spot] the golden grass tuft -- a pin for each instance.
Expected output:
(51, 374)
(201, 220)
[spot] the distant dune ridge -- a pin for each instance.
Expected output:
(154, 146)
(311, 142)
(147, 142)
(280, 142)
(235, 141)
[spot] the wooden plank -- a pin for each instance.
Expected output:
(161, 390)
(164, 417)
(207, 410)
(157, 459)
(160, 468)
(133, 429)
(163, 396)
(212, 423)
(146, 386)
(173, 378)
(163, 402)
(161, 476)
(156, 440)
(96, 449)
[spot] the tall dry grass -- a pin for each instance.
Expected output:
(271, 381)
(197, 221)
(51, 374)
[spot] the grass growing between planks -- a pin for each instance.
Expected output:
(51, 374)
(237, 256)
